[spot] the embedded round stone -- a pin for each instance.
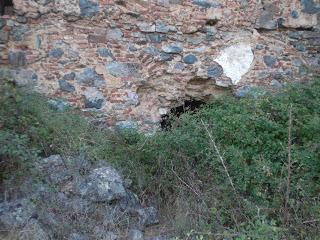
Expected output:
(146, 27)
(270, 61)
(17, 59)
(93, 98)
(89, 77)
(69, 76)
(172, 48)
(165, 57)
(215, 71)
(310, 6)
(66, 86)
(56, 53)
(88, 8)
(104, 52)
(294, 14)
(114, 34)
(190, 59)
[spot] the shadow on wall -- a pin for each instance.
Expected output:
(188, 106)
(6, 7)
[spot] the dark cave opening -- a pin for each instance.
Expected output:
(6, 7)
(212, 22)
(188, 106)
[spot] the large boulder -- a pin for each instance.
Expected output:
(76, 199)
(78, 236)
(102, 185)
(54, 169)
(135, 234)
(16, 213)
(33, 230)
(148, 216)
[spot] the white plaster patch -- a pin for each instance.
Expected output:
(236, 61)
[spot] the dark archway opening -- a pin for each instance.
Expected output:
(6, 7)
(188, 106)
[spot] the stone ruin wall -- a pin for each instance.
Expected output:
(132, 61)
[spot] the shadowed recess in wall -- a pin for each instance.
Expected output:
(6, 7)
(188, 106)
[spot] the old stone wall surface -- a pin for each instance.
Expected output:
(131, 61)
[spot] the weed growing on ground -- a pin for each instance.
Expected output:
(220, 172)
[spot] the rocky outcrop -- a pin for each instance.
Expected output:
(133, 60)
(75, 199)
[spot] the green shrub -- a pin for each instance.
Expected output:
(182, 170)
(30, 128)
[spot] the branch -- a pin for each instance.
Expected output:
(286, 212)
(219, 155)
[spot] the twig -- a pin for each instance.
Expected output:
(184, 183)
(311, 221)
(144, 143)
(286, 212)
(225, 168)
(193, 232)
(219, 155)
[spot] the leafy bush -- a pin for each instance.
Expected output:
(183, 169)
(30, 128)
(221, 171)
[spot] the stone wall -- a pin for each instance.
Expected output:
(131, 61)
